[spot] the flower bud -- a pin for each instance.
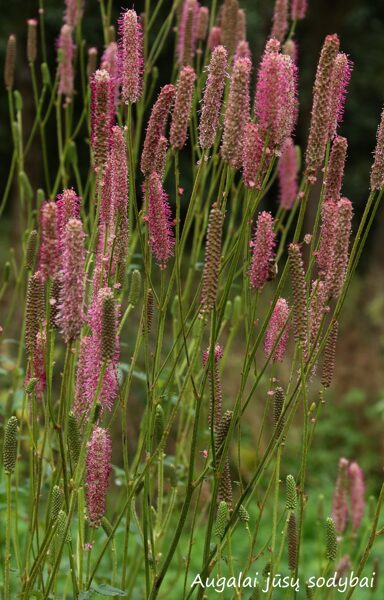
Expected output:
(10, 446)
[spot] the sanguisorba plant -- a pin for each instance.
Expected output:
(139, 286)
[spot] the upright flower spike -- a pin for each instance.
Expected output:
(102, 115)
(10, 446)
(10, 61)
(229, 17)
(119, 192)
(343, 567)
(377, 171)
(108, 327)
(34, 312)
(298, 9)
(280, 20)
(74, 10)
(329, 356)
(161, 238)
(330, 539)
(340, 506)
(278, 405)
(212, 98)
(161, 156)
(182, 109)
(131, 56)
(156, 126)
(320, 116)
(98, 470)
(71, 297)
(291, 493)
(292, 542)
(290, 48)
(262, 245)
(341, 76)
(30, 251)
(32, 40)
(329, 217)
(287, 171)
(49, 251)
(202, 23)
(92, 60)
(187, 33)
(68, 207)
(357, 494)
(212, 261)
(214, 38)
(335, 170)
(236, 113)
(242, 50)
(336, 273)
(66, 72)
(241, 28)
(214, 384)
(110, 62)
(299, 293)
(255, 156)
(278, 329)
(317, 308)
(276, 94)
(225, 482)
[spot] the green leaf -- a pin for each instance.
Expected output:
(104, 589)
(85, 595)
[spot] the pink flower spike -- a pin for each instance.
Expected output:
(187, 34)
(377, 170)
(161, 237)
(280, 20)
(102, 116)
(182, 109)
(214, 38)
(262, 246)
(277, 326)
(212, 97)
(242, 50)
(298, 9)
(98, 470)
(287, 170)
(254, 165)
(71, 297)
(68, 207)
(341, 76)
(49, 253)
(66, 73)
(74, 10)
(156, 127)
(130, 56)
(357, 494)
(336, 273)
(327, 236)
(339, 505)
(109, 62)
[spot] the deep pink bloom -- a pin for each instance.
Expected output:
(49, 252)
(187, 33)
(255, 157)
(102, 116)
(98, 471)
(288, 169)
(262, 245)
(68, 207)
(339, 505)
(280, 20)
(182, 108)
(161, 238)
(71, 297)
(298, 9)
(342, 70)
(156, 127)
(377, 171)
(66, 73)
(130, 56)
(236, 113)
(90, 363)
(276, 95)
(73, 12)
(277, 326)
(357, 494)
(212, 98)
(214, 38)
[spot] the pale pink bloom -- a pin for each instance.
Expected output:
(335, 169)
(161, 238)
(66, 72)
(109, 62)
(214, 38)
(187, 33)
(339, 505)
(357, 494)
(329, 215)
(342, 70)
(262, 245)
(161, 156)
(102, 116)
(377, 171)
(339, 252)
(202, 23)
(212, 98)
(242, 50)
(68, 207)
(288, 170)
(49, 252)
(290, 48)
(182, 108)
(278, 329)
(280, 20)
(131, 56)
(74, 10)
(298, 9)
(97, 476)
(155, 129)
(255, 157)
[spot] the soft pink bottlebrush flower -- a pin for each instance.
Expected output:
(276, 95)
(90, 363)
(377, 171)
(98, 470)
(342, 70)
(288, 170)
(255, 164)
(102, 116)
(68, 207)
(336, 272)
(161, 156)
(335, 169)
(357, 494)
(109, 62)
(214, 38)
(298, 9)
(212, 98)
(187, 33)
(130, 56)
(49, 253)
(74, 10)
(182, 108)
(202, 23)
(156, 127)
(339, 505)
(278, 329)
(280, 20)
(236, 113)
(66, 73)
(262, 245)
(71, 297)
(327, 235)
(161, 238)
